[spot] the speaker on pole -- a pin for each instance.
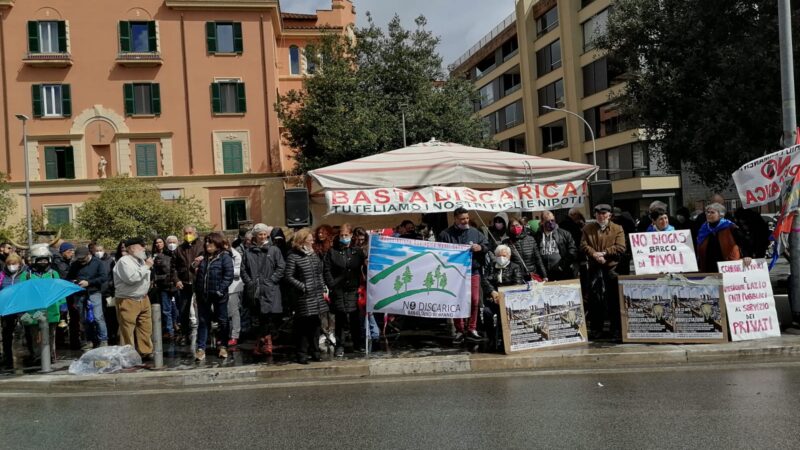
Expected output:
(298, 213)
(600, 192)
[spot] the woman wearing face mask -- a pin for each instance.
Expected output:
(343, 264)
(502, 273)
(304, 273)
(164, 276)
(9, 276)
(524, 250)
(214, 277)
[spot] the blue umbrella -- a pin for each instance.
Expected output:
(34, 294)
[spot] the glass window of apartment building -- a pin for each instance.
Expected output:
(547, 21)
(294, 60)
(59, 163)
(138, 37)
(513, 115)
(509, 48)
(228, 97)
(512, 81)
(487, 95)
(554, 136)
(604, 119)
(235, 211)
(51, 100)
(47, 36)
(224, 37)
(486, 65)
(549, 58)
(515, 144)
(594, 28)
(142, 99)
(551, 95)
(600, 75)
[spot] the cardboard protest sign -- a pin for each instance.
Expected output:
(663, 252)
(749, 300)
(547, 315)
(672, 309)
(418, 278)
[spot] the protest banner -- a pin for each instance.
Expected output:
(547, 315)
(762, 180)
(672, 309)
(749, 300)
(418, 278)
(663, 252)
(527, 197)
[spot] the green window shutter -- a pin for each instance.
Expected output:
(62, 36)
(66, 100)
(152, 161)
(127, 92)
(211, 36)
(238, 39)
(146, 161)
(33, 36)
(36, 96)
(216, 105)
(69, 163)
(232, 157)
(50, 163)
(125, 36)
(241, 97)
(155, 98)
(152, 38)
(57, 216)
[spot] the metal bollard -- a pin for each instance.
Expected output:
(44, 329)
(158, 346)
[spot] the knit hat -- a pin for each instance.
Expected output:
(65, 247)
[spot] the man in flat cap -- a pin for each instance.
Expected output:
(131, 283)
(603, 243)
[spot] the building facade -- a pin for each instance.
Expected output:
(180, 92)
(560, 68)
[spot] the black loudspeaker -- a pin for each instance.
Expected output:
(298, 213)
(600, 192)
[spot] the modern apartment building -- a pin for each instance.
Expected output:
(180, 92)
(560, 68)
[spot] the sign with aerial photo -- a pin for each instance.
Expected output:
(545, 316)
(418, 278)
(673, 309)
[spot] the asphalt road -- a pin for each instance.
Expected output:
(744, 407)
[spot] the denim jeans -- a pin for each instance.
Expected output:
(204, 317)
(95, 331)
(166, 312)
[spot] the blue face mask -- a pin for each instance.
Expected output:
(344, 241)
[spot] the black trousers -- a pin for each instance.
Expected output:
(307, 331)
(184, 301)
(354, 323)
(604, 299)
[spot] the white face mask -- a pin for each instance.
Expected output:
(172, 246)
(99, 255)
(13, 268)
(502, 261)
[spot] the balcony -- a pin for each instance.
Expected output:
(48, 60)
(139, 59)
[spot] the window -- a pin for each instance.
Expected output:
(584, 3)
(487, 95)
(224, 37)
(551, 95)
(228, 97)
(51, 100)
(142, 99)
(138, 37)
(605, 120)
(594, 28)
(554, 136)
(232, 157)
(57, 215)
(510, 48)
(485, 66)
(514, 145)
(489, 128)
(547, 21)
(511, 82)
(59, 163)
(311, 65)
(549, 58)
(613, 163)
(235, 211)
(47, 37)
(294, 60)
(600, 75)
(146, 160)
(513, 114)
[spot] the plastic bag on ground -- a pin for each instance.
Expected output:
(106, 360)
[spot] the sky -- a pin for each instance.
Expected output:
(460, 24)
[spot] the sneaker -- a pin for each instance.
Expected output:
(62, 324)
(302, 359)
(103, 343)
(458, 338)
(87, 346)
(223, 352)
(233, 342)
(338, 352)
(200, 355)
(473, 336)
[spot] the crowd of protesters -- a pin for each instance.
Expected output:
(315, 280)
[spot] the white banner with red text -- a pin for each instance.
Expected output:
(762, 180)
(526, 197)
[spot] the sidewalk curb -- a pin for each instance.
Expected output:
(785, 348)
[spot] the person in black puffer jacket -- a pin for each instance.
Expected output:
(343, 264)
(214, 277)
(262, 271)
(502, 273)
(304, 273)
(524, 250)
